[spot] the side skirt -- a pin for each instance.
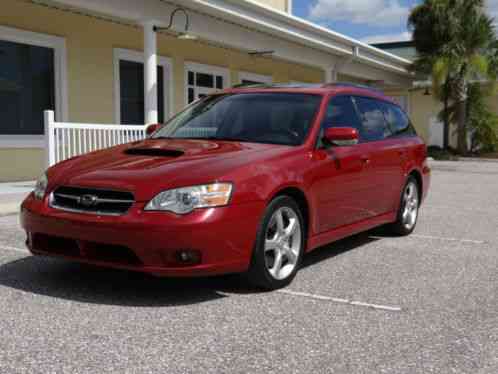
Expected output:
(349, 230)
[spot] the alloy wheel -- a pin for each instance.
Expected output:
(411, 205)
(283, 243)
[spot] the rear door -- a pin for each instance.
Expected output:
(384, 169)
(403, 138)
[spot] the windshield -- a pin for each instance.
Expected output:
(275, 118)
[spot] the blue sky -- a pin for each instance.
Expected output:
(367, 20)
(371, 21)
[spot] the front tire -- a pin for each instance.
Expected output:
(280, 244)
(408, 209)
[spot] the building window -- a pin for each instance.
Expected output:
(132, 92)
(203, 79)
(129, 88)
(27, 87)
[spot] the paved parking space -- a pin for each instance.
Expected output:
(369, 304)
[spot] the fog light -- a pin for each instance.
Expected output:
(188, 257)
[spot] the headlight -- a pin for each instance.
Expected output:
(41, 187)
(185, 200)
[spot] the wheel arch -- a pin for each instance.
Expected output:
(420, 182)
(298, 195)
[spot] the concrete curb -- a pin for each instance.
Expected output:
(476, 159)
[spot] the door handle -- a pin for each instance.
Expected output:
(365, 160)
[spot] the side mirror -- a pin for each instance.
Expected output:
(151, 129)
(341, 136)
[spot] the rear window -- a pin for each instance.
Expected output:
(275, 118)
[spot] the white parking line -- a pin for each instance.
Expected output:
(341, 301)
(13, 249)
(469, 241)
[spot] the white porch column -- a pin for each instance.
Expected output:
(330, 74)
(150, 73)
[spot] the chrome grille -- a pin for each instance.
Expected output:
(91, 200)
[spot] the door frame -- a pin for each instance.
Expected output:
(166, 63)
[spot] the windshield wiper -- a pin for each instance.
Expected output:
(162, 137)
(205, 138)
(225, 139)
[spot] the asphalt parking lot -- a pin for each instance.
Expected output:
(369, 304)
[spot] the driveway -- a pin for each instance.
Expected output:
(369, 304)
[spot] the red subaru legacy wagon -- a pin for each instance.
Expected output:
(243, 181)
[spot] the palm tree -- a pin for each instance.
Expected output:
(453, 39)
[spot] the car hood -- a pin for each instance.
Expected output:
(152, 165)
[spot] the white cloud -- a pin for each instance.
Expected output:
(380, 13)
(387, 38)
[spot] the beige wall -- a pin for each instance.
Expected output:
(90, 68)
(277, 4)
(21, 164)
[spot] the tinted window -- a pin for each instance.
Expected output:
(26, 87)
(261, 118)
(341, 113)
(398, 121)
(374, 126)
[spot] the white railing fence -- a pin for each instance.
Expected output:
(66, 140)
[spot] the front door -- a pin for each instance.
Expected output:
(340, 188)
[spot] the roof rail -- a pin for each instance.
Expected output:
(251, 85)
(278, 85)
(352, 85)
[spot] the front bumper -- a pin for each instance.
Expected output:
(146, 241)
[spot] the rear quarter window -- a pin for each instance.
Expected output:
(397, 120)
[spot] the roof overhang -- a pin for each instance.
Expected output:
(227, 23)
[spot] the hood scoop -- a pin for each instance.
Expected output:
(154, 152)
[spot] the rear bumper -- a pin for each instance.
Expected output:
(146, 241)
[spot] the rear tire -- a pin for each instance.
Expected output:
(407, 216)
(279, 247)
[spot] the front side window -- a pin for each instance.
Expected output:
(27, 87)
(341, 113)
(274, 118)
(374, 126)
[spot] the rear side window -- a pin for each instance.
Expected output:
(397, 120)
(374, 125)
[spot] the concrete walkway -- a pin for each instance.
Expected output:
(12, 195)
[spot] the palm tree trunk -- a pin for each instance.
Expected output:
(461, 113)
(446, 128)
